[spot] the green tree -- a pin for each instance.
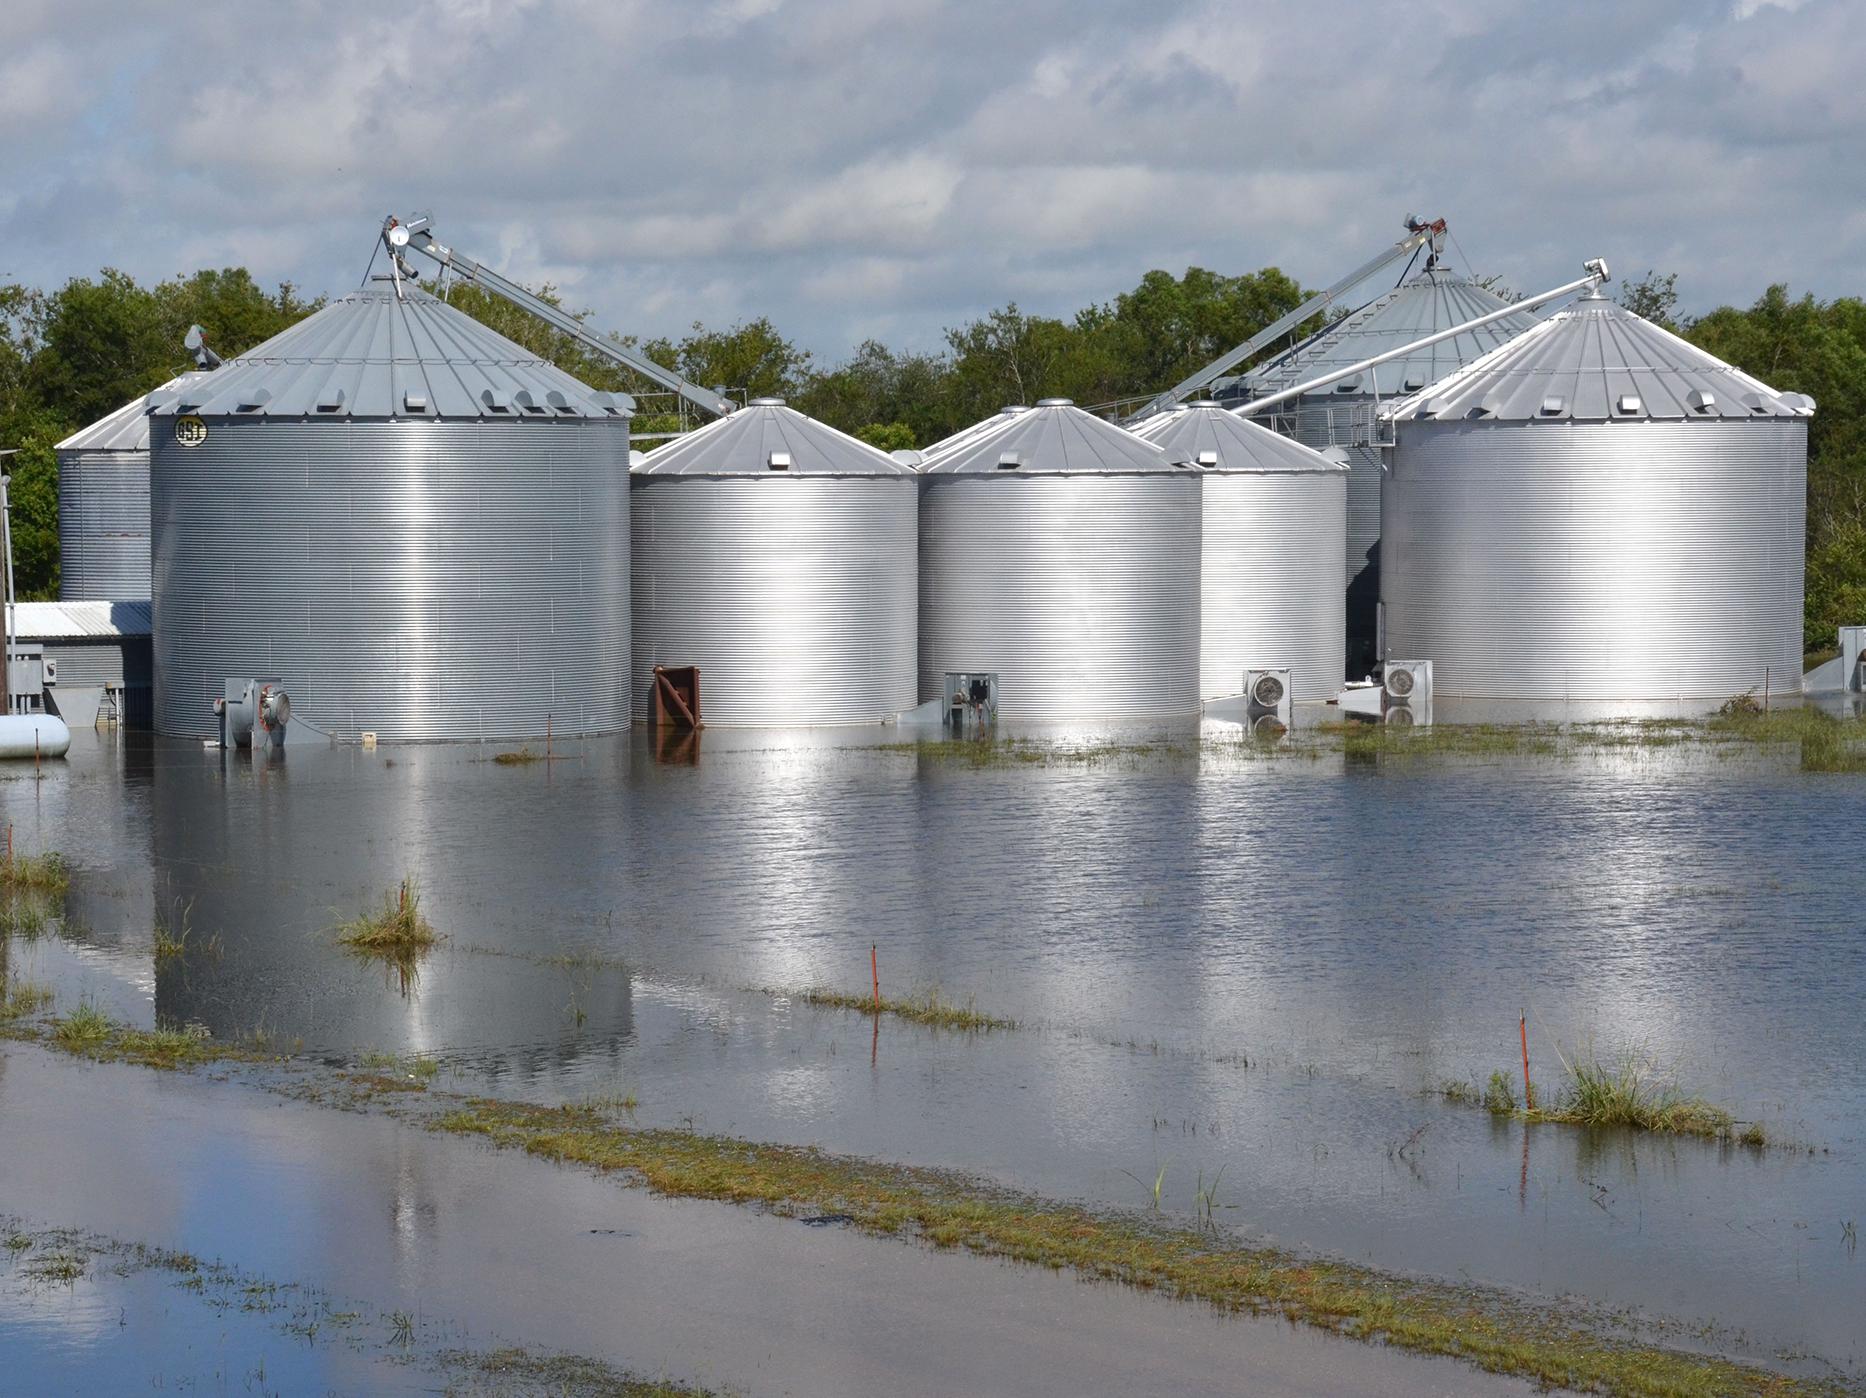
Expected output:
(1653, 297)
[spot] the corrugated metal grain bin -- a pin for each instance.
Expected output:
(1274, 517)
(780, 557)
(1598, 511)
(103, 507)
(1342, 414)
(1062, 553)
(418, 526)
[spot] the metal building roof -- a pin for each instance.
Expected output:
(127, 429)
(1594, 361)
(86, 621)
(1435, 300)
(374, 354)
(1055, 437)
(764, 437)
(1208, 435)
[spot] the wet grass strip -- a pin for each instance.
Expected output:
(1494, 1332)
(40, 873)
(929, 1008)
(396, 928)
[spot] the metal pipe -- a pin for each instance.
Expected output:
(1417, 236)
(1596, 274)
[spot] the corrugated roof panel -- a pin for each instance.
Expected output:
(1435, 300)
(1194, 431)
(127, 429)
(766, 437)
(368, 354)
(58, 621)
(1597, 361)
(1055, 436)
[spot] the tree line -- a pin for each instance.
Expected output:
(70, 355)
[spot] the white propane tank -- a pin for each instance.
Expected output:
(33, 735)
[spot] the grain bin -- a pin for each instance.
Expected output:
(779, 556)
(103, 506)
(1061, 553)
(418, 526)
(1342, 414)
(1598, 510)
(1274, 516)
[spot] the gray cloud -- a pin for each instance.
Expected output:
(854, 169)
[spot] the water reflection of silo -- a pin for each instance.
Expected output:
(269, 858)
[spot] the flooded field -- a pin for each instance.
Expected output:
(1229, 986)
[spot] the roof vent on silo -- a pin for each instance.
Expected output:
(1554, 405)
(1700, 400)
(1056, 402)
(254, 401)
(495, 400)
(1009, 461)
(778, 461)
(331, 400)
(527, 404)
(1627, 404)
(1207, 459)
(413, 402)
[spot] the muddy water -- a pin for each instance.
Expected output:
(1247, 966)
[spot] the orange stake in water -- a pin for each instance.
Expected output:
(1529, 1094)
(874, 966)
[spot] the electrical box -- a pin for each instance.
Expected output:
(1267, 700)
(1406, 692)
(971, 703)
(1853, 659)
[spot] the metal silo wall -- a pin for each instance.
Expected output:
(424, 580)
(103, 525)
(1271, 593)
(795, 595)
(1081, 592)
(1600, 561)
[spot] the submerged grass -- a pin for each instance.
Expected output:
(1496, 1333)
(929, 1008)
(521, 757)
(397, 929)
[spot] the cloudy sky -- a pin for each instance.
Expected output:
(888, 169)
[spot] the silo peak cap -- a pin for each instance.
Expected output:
(766, 437)
(1218, 440)
(1056, 438)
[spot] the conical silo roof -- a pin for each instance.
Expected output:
(966, 434)
(1436, 299)
(382, 353)
(1055, 437)
(1208, 435)
(1596, 361)
(765, 437)
(127, 429)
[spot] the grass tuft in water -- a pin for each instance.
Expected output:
(398, 929)
(929, 1008)
(1626, 1094)
(84, 1029)
(24, 998)
(522, 757)
(43, 873)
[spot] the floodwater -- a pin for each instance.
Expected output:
(1259, 967)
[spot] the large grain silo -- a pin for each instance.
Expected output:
(418, 526)
(1342, 413)
(1061, 553)
(103, 506)
(1598, 510)
(779, 556)
(1275, 514)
